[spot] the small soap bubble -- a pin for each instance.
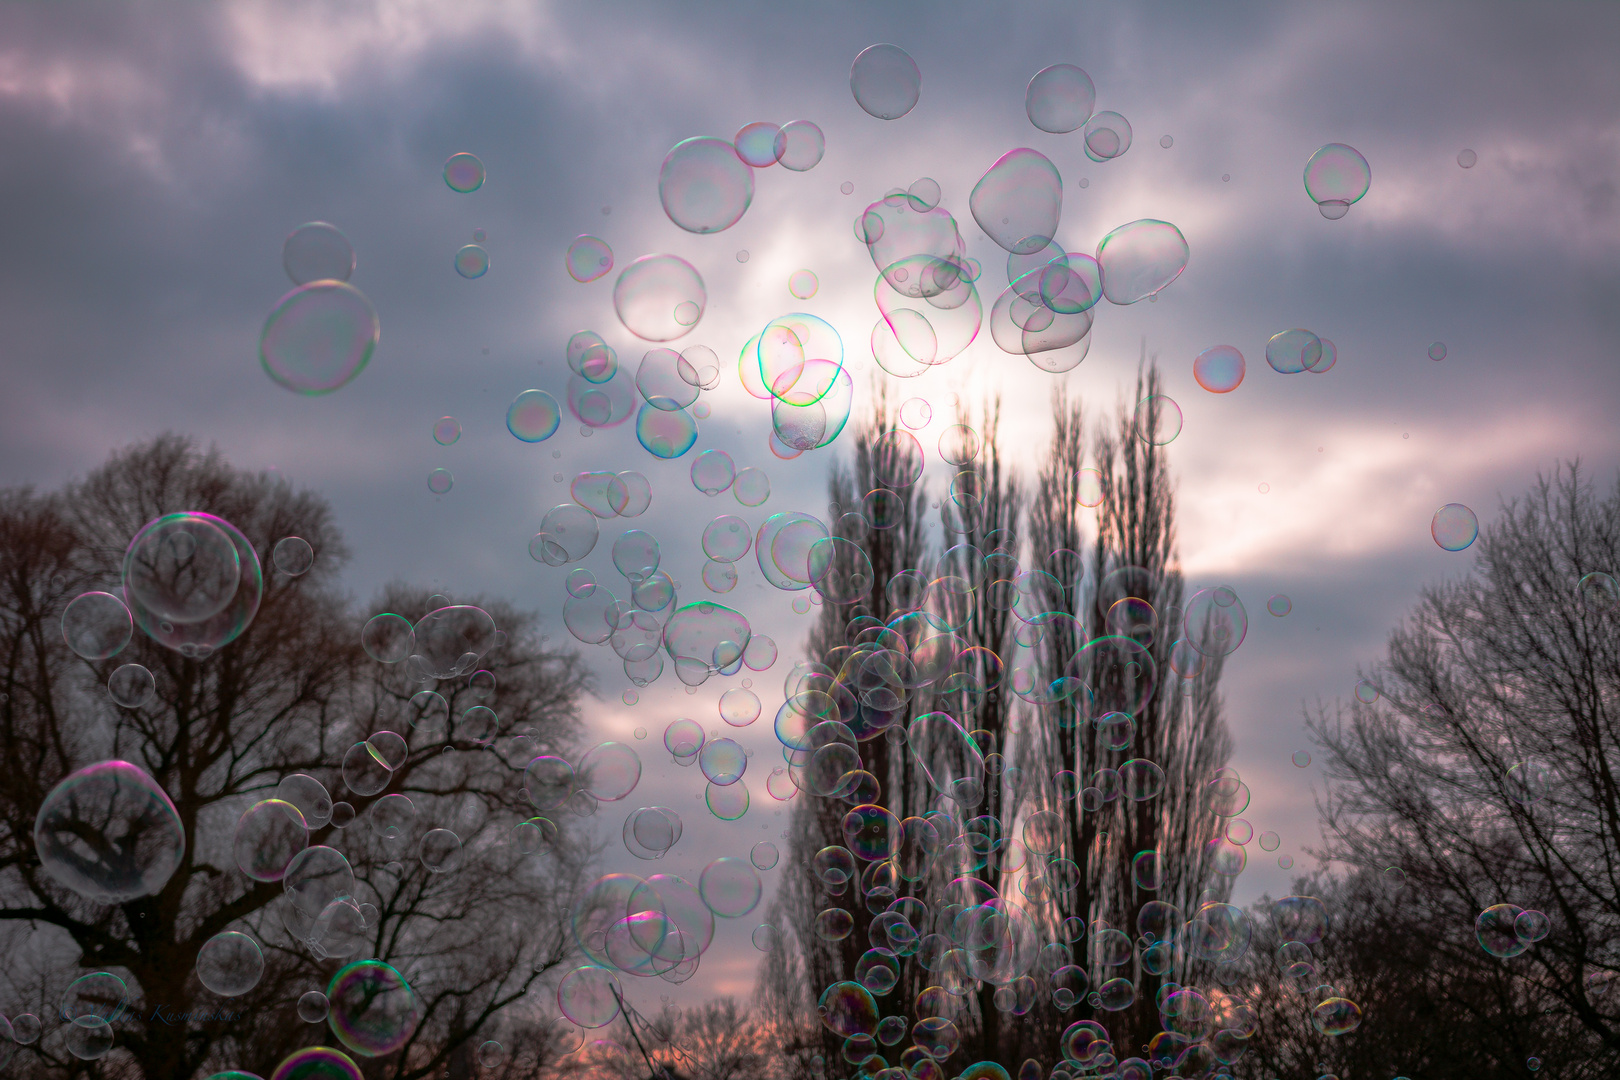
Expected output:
(472, 261)
(1279, 605)
(1302, 759)
(1467, 159)
(847, 188)
(1455, 527)
(1437, 351)
(464, 173)
(446, 430)
(803, 284)
(588, 258)
(1167, 142)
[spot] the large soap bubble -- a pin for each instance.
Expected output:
(704, 638)
(1018, 201)
(176, 585)
(317, 251)
(704, 186)
(1140, 258)
(374, 1011)
(1335, 177)
(1060, 98)
(1107, 136)
(661, 297)
(230, 964)
(109, 833)
(885, 81)
(96, 625)
(449, 642)
(319, 337)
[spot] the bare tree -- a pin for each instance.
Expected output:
(1483, 770)
(292, 694)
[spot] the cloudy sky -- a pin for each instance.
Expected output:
(157, 155)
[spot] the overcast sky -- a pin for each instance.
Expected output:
(157, 155)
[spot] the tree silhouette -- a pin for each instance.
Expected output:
(292, 694)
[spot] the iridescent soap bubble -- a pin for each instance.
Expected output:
(739, 706)
(588, 258)
(446, 430)
(567, 534)
(1219, 369)
(230, 963)
(764, 855)
(386, 638)
(1215, 621)
(533, 416)
(96, 625)
(1437, 351)
(1335, 177)
(662, 380)
(319, 337)
(1467, 159)
(1291, 351)
(448, 641)
(183, 568)
(1060, 98)
(704, 186)
(1330, 356)
(441, 481)
(756, 143)
(440, 851)
(1107, 136)
(661, 297)
(1336, 1016)
(1454, 527)
(1366, 691)
(752, 486)
(1140, 258)
(727, 802)
(464, 173)
(885, 81)
(309, 796)
(293, 556)
(472, 261)
(589, 996)
(317, 251)
(1157, 420)
(723, 761)
(664, 433)
(609, 771)
(373, 1010)
(730, 887)
(916, 413)
(269, 835)
(1018, 201)
(109, 833)
(727, 539)
(1279, 605)
(800, 145)
(802, 284)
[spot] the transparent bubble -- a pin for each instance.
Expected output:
(1302, 759)
(440, 851)
(713, 472)
(182, 567)
(802, 284)
(1107, 136)
(1140, 258)
(665, 434)
(1167, 142)
(472, 261)
(800, 145)
(1060, 98)
(1366, 691)
(764, 855)
(1285, 861)
(752, 487)
(386, 638)
(464, 173)
(1018, 201)
(309, 796)
(319, 337)
(1292, 351)
(372, 1008)
(1336, 1016)
(1219, 369)
(1337, 176)
(727, 802)
(293, 556)
(1157, 420)
(317, 251)
(661, 297)
(567, 534)
(1437, 351)
(97, 625)
(1279, 605)
(109, 833)
(441, 481)
(230, 964)
(704, 186)
(1455, 527)
(756, 144)
(1270, 841)
(609, 771)
(730, 887)
(1467, 159)
(588, 258)
(885, 81)
(269, 834)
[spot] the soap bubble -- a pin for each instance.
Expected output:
(1157, 420)
(448, 642)
(319, 337)
(1279, 605)
(756, 144)
(567, 534)
(1302, 759)
(440, 851)
(97, 625)
(802, 284)
(269, 834)
(1467, 159)
(317, 251)
(704, 186)
(386, 638)
(446, 430)
(109, 833)
(1107, 136)
(589, 996)
(1216, 622)
(885, 81)
(713, 472)
(665, 434)
(752, 487)
(441, 481)
(464, 173)
(182, 568)
(1060, 98)
(727, 802)
(373, 1010)
(1292, 351)
(533, 416)
(651, 293)
(1140, 258)
(472, 261)
(730, 887)
(1018, 201)
(764, 855)
(1335, 177)
(230, 964)
(1336, 1016)
(293, 556)
(1219, 369)
(800, 145)
(1454, 527)
(723, 761)
(1437, 351)
(588, 258)
(609, 771)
